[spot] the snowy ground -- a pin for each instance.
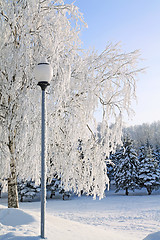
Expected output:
(117, 217)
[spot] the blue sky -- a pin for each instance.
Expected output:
(136, 24)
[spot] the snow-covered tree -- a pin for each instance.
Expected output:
(113, 161)
(80, 167)
(82, 82)
(156, 154)
(142, 153)
(126, 172)
(27, 190)
(149, 173)
(55, 186)
(29, 29)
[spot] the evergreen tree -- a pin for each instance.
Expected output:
(149, 173)
(142, 153)
(27, 189)
(55, 186)
(110, 169)
(126, 176)
(112, 162)
(156, 154)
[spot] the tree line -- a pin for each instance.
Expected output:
(143, 133)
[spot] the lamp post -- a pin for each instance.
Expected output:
(43, 74)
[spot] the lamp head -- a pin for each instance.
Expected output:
(43, 71)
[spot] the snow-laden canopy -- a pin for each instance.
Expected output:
(83, 81)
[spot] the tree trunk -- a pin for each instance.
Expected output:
(149, 190)
(12, 180)
(12, 187)
(127, 191)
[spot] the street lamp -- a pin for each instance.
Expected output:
(43, 74)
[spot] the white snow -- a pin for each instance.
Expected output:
(116, 217)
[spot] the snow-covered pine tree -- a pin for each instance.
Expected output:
(113, 161)
(126, 170)
(156, 153)
(27, 190)
(110, 168)
(55, 186)
(142, 153)
(83, 81)
(149, 173)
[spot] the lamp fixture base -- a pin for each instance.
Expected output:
(43, 85)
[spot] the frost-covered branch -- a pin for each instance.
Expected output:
(83, 81)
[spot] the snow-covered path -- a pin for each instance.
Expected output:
(17, 224)
(117, 217)
(56, 228)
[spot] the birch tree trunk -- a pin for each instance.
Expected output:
(12, 181)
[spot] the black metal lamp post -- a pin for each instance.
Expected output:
(43, 74)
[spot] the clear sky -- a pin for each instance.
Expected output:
(136, 24)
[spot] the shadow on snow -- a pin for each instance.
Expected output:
(14, 217)
(153, 236)
(11, 236)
